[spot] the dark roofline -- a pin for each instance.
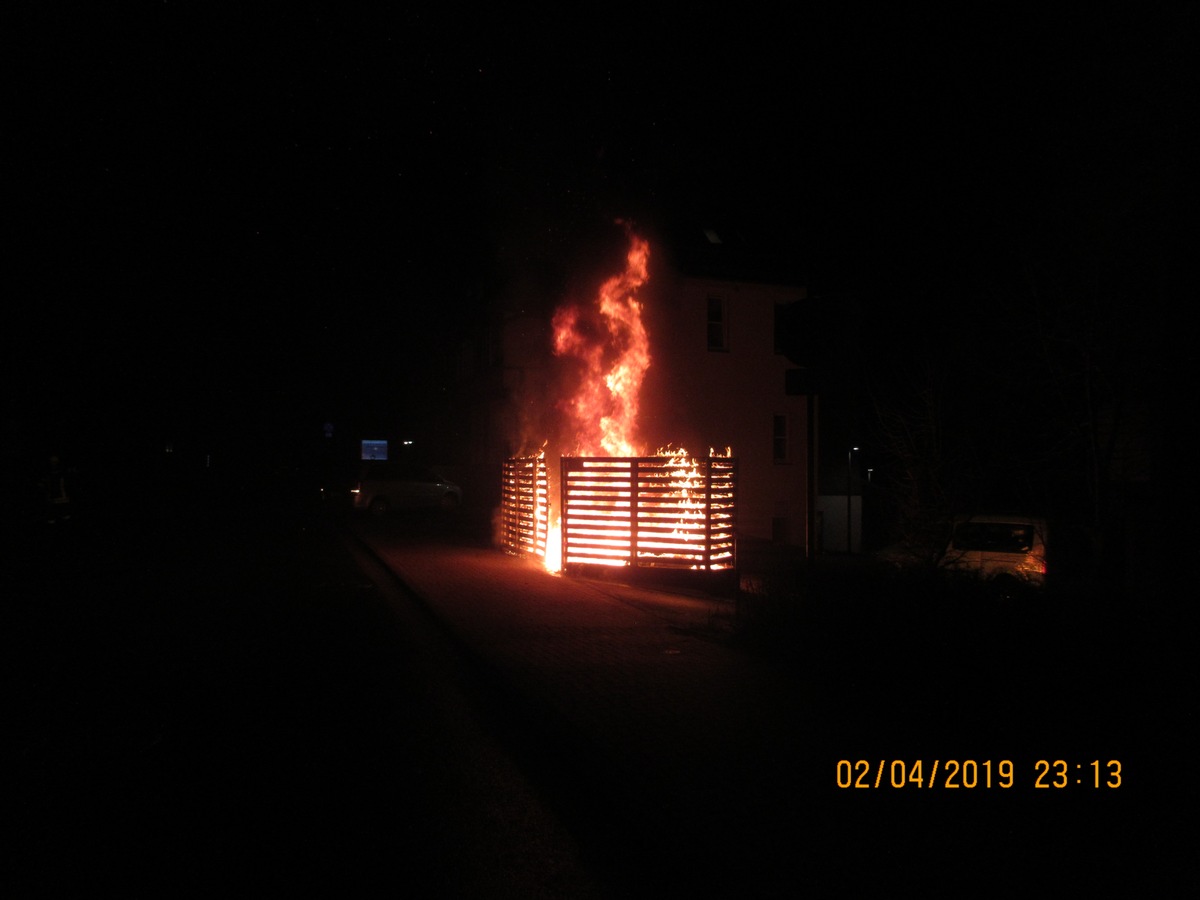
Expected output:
(710, 249)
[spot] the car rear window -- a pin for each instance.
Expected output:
(391, 471)
(995, 537)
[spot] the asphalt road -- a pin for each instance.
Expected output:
(235, 699)
(227, 702)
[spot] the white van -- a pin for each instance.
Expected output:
(385, 487)
(999, 548)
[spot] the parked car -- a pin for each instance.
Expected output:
(1006, 550)
(999, 548)
(386, 486)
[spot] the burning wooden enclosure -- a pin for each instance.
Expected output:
(668, 511)
(524, 506)
(613, 506)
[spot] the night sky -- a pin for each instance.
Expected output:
(229, 218)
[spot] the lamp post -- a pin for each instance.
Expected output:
(849, 504)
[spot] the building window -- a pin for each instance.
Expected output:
(779, 439)
(718, 324)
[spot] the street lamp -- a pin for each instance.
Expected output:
(849, 506)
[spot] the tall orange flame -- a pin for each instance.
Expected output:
(615, 352)
(629, 511)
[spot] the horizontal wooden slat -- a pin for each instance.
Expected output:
(677, 513)
(523, 503)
